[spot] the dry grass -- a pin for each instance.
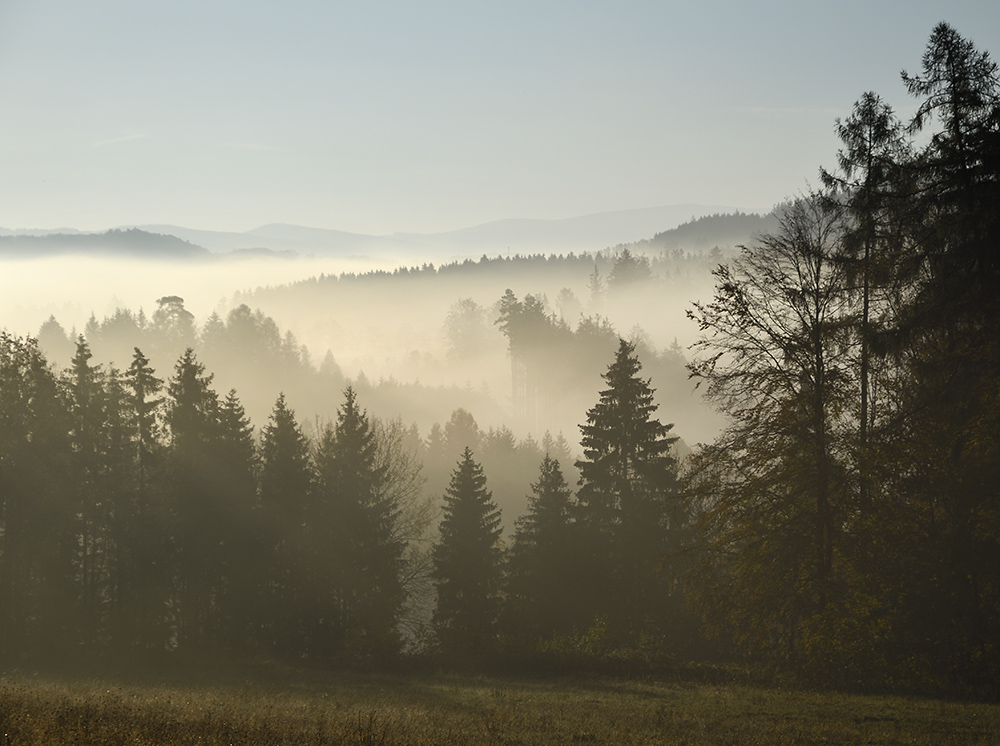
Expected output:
(341, 708)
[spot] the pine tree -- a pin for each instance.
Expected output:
(467, 563)
(84, 383)
(241, 546)
(193, 507)
(144, 568)
(145, 386)
(628, 506)
(285, 489)
(355, 539)
(543, 590)
(951, 400)
(172, 327)
(119, 481)
(38, 532)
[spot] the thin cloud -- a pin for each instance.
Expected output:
(251, 146)
(123, 138)
(790, 111)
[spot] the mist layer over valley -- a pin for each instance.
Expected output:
(424, 345)
(375, 316)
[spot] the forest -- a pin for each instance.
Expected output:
(841, 526)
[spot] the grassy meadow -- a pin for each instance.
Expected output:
(396, 710)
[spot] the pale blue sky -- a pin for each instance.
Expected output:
(427, 116)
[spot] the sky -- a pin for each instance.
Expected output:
(424, 116)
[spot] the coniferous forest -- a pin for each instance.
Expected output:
(843, 528)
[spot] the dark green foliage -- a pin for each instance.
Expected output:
(241, 552)
(467, 563)
(544, 586)
(285, 487)
(193, 505)
(92, 499)
(37, 510)
(629, 510)
(144, 577)
(358, 554)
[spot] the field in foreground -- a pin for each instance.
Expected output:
(444, 709)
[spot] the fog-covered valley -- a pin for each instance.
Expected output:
(410, 330)
(423, 344)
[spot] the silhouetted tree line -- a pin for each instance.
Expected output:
(223, 343)
(847, 522)
(143, 517)
(658, 262)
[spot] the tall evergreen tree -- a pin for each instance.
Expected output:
(467, 563)
(241, 548)
(86, 403)
(357, 542)
(38, 531)
(543, 583)
(193, 509)
(948, 329)
(870, 182)
(146, 404)
(285, 489)
(119, 486)
(144, 575)
(628, 506)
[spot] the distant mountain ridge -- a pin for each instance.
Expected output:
(587, 233)
(116, 242)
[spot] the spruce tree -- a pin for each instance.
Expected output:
(542, 589)
(193, 510)
(467, 563)
(84, 383)
(285, 489)
(354, 539)
(38, 539)
(145, 560)
(628, 506)
(241, 547)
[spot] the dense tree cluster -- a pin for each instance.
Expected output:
(138, 515)
(142, 516)
(573, 563)
(848, 522)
